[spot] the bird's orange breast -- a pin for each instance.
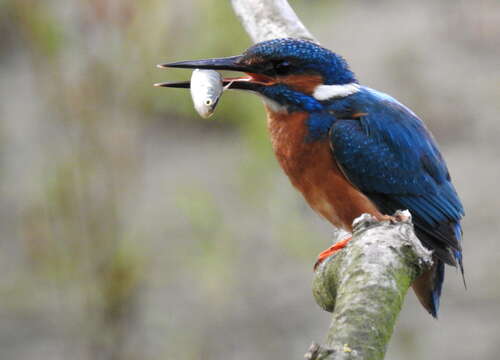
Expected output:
(313, 170)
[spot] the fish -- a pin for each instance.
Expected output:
(206, 87)
(206, 90)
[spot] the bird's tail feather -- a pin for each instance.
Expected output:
(458, 253)
(428, 287)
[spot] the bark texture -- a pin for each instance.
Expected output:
(364, 285)
(270, 19)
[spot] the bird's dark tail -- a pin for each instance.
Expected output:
(458, 253)
(439, 230)
(428, 287)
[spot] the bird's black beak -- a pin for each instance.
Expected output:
(227, 63)
(233, 63)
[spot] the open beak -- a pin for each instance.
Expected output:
(252, 81)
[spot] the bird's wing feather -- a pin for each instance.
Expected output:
(392, 158)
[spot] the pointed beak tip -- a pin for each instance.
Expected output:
(161, 66)
(178, 85)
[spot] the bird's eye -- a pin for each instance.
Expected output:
(282, 67)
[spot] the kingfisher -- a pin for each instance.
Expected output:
(350, 149)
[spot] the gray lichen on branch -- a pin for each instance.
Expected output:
(364, 285)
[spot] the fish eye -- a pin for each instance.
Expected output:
(208, 102)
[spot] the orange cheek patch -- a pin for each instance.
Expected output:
(303, 83)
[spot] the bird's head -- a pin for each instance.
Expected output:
(292, 73)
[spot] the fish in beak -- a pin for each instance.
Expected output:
(252, 81)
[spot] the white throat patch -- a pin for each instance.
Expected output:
(325, 92)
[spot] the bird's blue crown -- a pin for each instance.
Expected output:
(301, 57)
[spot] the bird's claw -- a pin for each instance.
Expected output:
(339, 245)
(399, 216)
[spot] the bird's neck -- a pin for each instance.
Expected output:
(286, 97)
(295, 135)
(288, 132)
(281, 98)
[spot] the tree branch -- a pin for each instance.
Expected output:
(270, 19)
(364, 285)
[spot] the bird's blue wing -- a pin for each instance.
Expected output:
(391, 157)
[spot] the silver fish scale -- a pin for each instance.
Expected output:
(206, 89)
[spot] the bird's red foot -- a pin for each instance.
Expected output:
(331, 250)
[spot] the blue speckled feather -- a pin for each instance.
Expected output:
(388, 153)
(392, 158)
(307, 55)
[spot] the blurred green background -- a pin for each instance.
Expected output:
(133, 229)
